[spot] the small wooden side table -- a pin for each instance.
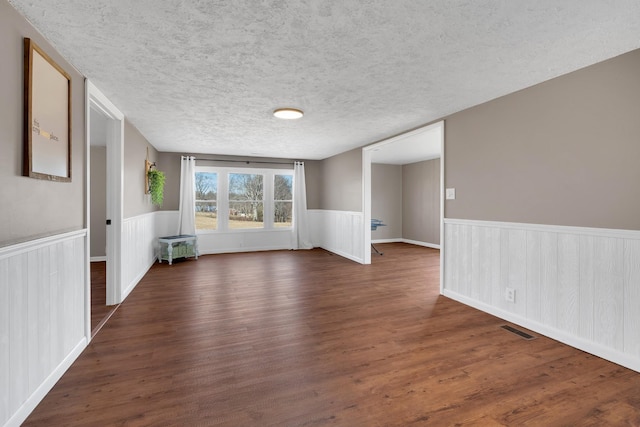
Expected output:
(180, 246)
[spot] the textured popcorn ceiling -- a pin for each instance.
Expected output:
(204, 75)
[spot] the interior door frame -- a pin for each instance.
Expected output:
(367, 153)
(95, 99)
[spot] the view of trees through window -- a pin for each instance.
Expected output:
(283, 200)
(246, 201)
(206, 200)
(243, 198)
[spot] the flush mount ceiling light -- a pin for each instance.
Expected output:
(288, 113)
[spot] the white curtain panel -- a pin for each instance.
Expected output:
(302, 239)
(187, 217)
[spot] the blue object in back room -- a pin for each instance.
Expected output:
(375, 223)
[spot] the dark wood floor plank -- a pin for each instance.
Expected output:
(100, 311)
(308, 338)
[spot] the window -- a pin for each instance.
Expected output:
(206, 200)
(243, 199)
(282, 200)
(246, 201)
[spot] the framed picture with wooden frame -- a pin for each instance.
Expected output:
(47, 117)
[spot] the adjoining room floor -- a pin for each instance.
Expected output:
(307, 338)
(100, 311)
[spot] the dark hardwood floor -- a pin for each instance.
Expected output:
(100, 311)
(307, 338)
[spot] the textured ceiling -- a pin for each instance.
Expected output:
(204, 76)
(410, 147)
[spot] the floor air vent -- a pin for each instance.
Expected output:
(518, 332)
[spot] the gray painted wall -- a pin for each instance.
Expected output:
(341, 187)
(33, 208)
(386, 200)
(407, 199)
(421, 201)
(564, 152)
(98, 201)
(313, 178)
(169, 163)
(136, 201)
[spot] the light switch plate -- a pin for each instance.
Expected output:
(451, 193)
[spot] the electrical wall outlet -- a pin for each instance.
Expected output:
(510, 294)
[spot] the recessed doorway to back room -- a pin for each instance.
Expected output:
(105, 128)
(98, 219)
(404, 198)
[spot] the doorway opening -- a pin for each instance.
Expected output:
(105, 136)
(100, 311)
(403, 180)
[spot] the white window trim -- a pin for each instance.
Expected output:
(222, 203)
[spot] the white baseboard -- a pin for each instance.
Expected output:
(98, 258)
(239, 249)
(30, 404)
(599, 350)
(411, 242)
(346, 255)
(425, 244)
(137, 279)
(386, 241)
(576, 285)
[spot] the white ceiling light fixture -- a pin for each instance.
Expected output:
(288, 113)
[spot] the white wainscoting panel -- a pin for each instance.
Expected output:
(244, 241)
(578, 285)
(166, 223)
(42, 318)
(631, 337)
(138, 249)
(339, 232)
(225, 242)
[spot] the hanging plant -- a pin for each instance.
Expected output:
(156, 186)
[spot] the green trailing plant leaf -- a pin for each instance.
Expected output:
(156, 186)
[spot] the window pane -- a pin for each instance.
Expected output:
(206, 184)
(246, 208)
(246, 214)
(206, 216)
(282, 196)
(245, 187)
(282, 214)
(283, 187)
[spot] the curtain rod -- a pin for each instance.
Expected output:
(247, 161)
